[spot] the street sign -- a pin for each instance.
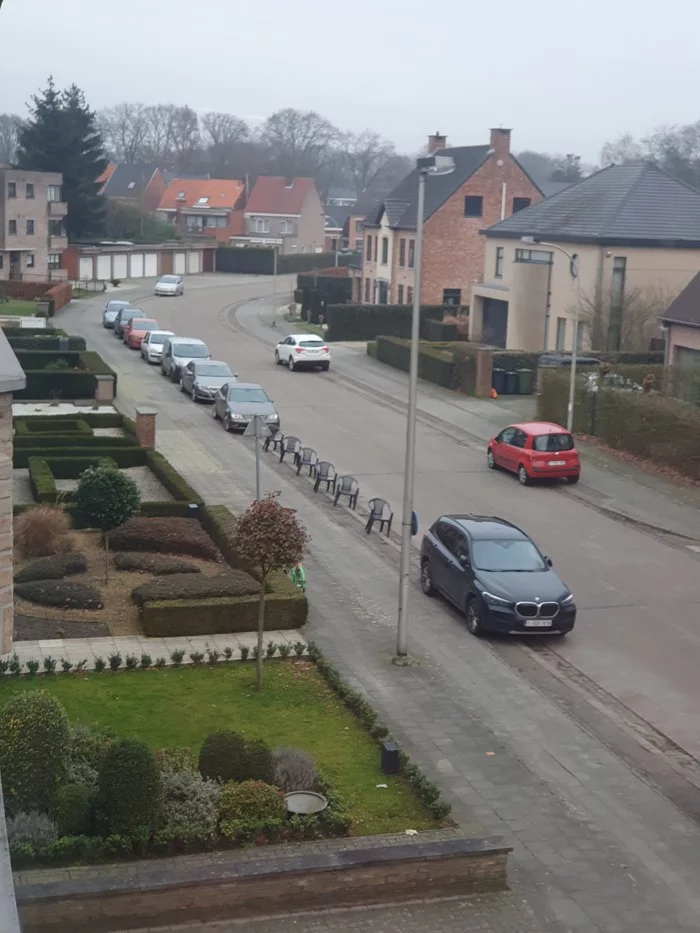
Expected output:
(258, 427)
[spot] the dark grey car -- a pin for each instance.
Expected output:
(236, 404)
(202, 379)
(124, 315)
(491, 571)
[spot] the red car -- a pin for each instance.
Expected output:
(136, 329)
(535, 450)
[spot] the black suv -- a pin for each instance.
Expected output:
(496, 575)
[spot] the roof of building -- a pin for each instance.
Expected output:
(401, 205)
(634, 204)
(129, 179)
(107, 174)
(685, 309)
(171, 176)
(190, 192)
(278, 195)
(549, 188)
(336, 216)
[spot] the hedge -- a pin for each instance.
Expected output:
(438, 331)
(96, 419)
(65, 383)
(29, 428)
(367, 322)
(434, 364)
(176, 485)
(40, 359)
(44, 471)
(260, 260)
(123, 456)
(512, 360)
(222, 615)
(11, 331)
(68, 442)
(47, 341)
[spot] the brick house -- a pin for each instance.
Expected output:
(487, 185)
(284, 212)
(32, 225)
(211, 207)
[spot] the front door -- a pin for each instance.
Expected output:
(495, 322)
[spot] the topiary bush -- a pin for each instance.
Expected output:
(158, 564)
(31, 829)
(249, 808)
(222, 757)
(55, 567)
(294, 770)
(33, 750)
(191, 586)
(72, 810)
(60, 594)
(176, 760)
(190, 807)
(260, 765)
(42, 530)
(129, 791)
(89, 745)
(164, 535)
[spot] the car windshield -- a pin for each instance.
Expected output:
(311, 343)
(247, 395)
(193, 351)
(116, 305)
(213, 369)
(145, 324)
(551, 443)
(169, 280)
(505, 555)
(132, 312)
(158, 338)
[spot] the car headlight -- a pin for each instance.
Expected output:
(235, 416)
(568, 600)
(273, 417)
(492, 600)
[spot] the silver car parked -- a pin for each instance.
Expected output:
(202, 379)
(112, 309)
(236, 403)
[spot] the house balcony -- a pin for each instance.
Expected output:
(57, 209)
(58, 242)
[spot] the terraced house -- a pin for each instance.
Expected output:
(487, 185)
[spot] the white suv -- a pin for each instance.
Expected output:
(300, 350)
(178, 352)
(152, 345)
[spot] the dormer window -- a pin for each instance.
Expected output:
(132, 184)
(181, 196)
(202, 200)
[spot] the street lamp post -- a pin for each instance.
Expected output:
(431, 165)
(574, 270)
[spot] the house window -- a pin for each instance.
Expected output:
(369, 248)
(2, 260)
(56, 228)
(561, 333)
(402, 253)
(11, 189)
(12, 227)
(579, 335)
(54, 193)
(409, 295)
(473, 205)
(132, 184)
(399, 299)
(358, 245)
(533, 255)
(202, 200)
(498, 272)
(385, 250)
(54, 260)
(411, 253)
(366, 289)
(383, 292)
(519, 204)
(262, 225)
(30, 260)
(286, 226)
(30, 190)
(452, 296)
(30, 228)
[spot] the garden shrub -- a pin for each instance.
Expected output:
(164, 535)
(222, 757)
(294, 770)
(260, 765)
(129, 791)
(249, 808)
(72, 810)
(52, 568)
(79, 771)
(41, 425)
(31, 829)
(60, 594)
(33, 750)
(106, 498)
(196, 586)
(89, 745)
(223, 615)
(42, 531)
(190, 807)
(176, 759)
(158, 564)
(367, 322)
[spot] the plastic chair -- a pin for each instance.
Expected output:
(274, 439)
(307, 457)
(290, 445)
(325, 472)
(347, 486)
(380, 512)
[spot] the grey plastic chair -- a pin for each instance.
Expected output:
(380, 513)
(290, 445)
(347, 486)
(307, 457)
(325, 472)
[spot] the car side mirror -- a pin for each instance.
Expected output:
(548, 561)
(464, 561)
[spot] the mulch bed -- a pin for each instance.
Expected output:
(33, 629)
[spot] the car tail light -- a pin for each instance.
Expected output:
(298, 349)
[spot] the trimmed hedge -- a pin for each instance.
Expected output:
(196, 586)
(156, 564)
(60, 594)
(434, 364)
(164, 535)
(96, 419)
(123, 456)
(438, 331)
(66, 383)
(44, 471)
(169, 618)
(366, 322)
(260, 260)
(55, 567)
(31, 427)
(11, 331)
(46, 340)
(173, 481)
(40, 359)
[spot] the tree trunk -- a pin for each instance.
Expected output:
(106, 537)
(261, 632)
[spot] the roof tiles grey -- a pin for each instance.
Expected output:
(685, 309)
(623, 204)
(129, 180)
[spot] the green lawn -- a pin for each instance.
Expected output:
(17, 308)
(171, 707)
(305, 327)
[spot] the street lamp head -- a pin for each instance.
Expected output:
(528, 239)
(436, 165)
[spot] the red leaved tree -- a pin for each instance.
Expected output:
(269, 538)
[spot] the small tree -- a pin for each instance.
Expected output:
(105, 499)
(269, 538)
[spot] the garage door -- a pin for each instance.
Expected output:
(688, 358)
(137, 265)
(151, 264)
(86, 270)
(193, 263)
(104, 267)
(119, 267)
(179, 267)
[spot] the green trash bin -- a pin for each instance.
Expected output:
(525, 382)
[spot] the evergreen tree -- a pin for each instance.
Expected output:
(63, 136)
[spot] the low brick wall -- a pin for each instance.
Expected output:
(253, 882)
(60, 292)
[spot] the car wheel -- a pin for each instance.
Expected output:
(194, 394)
(474, 623)
(174, 377)
(290, 363)
(573, 479)
(182, 386)
(214, 413)
(277, 358)
(227, 423)
(491, 461)
(523, 478)
(426, 578)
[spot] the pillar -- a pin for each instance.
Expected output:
(484, 373)
(146, 427)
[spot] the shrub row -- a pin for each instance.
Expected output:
(173, 481)
(11, 331)
(46, 340)
(44, 471)
(31, 427)
(55, 567)
(60, 594)
(156, 564)
(366, 322)
(164, 535)
(190, 586)
(40, 359)
(434, 364)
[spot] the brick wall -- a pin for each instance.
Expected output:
(61, 292)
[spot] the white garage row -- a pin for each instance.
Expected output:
(119, 266)
(151, 265)
(179, 264)
(136, 265)
(86, 268)
(104, 267)
(193, 263)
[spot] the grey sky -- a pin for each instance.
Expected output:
(565, 77)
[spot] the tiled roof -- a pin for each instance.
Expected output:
(271, 195)
(338, 215)
(219, 192)
(637, 203)
(107, 174)
(401, 205)
(171, 176)
(129, 180)
(685, 309)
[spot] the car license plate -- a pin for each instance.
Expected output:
(556, 463)
(538, 623)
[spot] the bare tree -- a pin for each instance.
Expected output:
(372, 162)
(158, 142)
(9, 135)
(623, 149)
(223, 134)
(124, 129)
(298, 141)
(625, 321)
(539, 165)
(185, 138)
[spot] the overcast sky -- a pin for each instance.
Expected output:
(565, 76)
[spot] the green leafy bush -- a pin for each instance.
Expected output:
(190, 807)
(158, 564)
(31, 829)
(44, 471)
(72, 810)
(222, 757)
(294, 770)
(164, 535)
(129, 792)
(33, 750)
(176, 759)
(106, 498)
(196, 586)
(249, 808)
(435, 363)
(60, 594)
(165, 618)
(260, 765)
(40, 425)
(89, 745)
(52, 568)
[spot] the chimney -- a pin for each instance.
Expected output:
(436, 142)
(500, 142)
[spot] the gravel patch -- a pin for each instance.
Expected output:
(149, 485)
(108, 432)
(21, 488)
